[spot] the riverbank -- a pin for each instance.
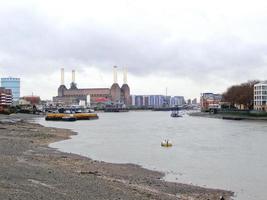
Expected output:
(227, 116)
(29, 169)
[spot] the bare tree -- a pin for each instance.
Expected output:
(241, 94)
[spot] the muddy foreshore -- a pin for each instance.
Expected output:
(30, 170)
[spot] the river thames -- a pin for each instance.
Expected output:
(206, 152)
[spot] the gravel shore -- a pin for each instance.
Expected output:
(30, 170)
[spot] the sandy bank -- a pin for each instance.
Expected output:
(29, 169)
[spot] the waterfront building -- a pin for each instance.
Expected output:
(194, 101)
(32, 100)
(114, 95)
(156, 101)
(167, 101)
(260, 96)
(208, 100)
(189, 102)
(177, 101)
(13, 84)
(146, 101)
(5, 97)
(139, 101)
(132, 100)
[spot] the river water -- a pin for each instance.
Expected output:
(206, 152)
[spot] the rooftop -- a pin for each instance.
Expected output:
(261, 83)
(10, 78)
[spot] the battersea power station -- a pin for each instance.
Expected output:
(115, 95)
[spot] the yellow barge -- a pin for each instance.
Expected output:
(70, 117)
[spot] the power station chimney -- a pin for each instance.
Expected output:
(73, 76)
(115, 74)
(73, 85)
(62, 77)
(124, 75)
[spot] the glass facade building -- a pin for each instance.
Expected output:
(13, 84)
(177, 101)
(156, 101)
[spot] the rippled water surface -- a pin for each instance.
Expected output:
(207, 152)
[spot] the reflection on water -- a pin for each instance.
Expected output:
(206, 152)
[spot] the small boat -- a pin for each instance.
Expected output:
(166, 143)
(175, 113)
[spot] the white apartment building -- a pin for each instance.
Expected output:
(260, 96)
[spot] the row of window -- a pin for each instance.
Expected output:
(260, 87)
(260, 93)
(260, 97)
(260, 103)
(260, 109)
(99, 95)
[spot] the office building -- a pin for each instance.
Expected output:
(13, 84)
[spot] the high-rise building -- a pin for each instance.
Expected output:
(13, 84)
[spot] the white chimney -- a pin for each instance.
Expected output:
(115, 79)
(73, 76)
(62, 77)
(125, 75)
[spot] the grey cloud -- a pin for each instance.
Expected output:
(30, 41)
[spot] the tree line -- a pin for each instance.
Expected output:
(241, 94)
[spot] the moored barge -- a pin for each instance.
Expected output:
(74, 116)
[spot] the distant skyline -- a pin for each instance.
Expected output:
(187, 46)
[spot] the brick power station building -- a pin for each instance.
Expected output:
(92, 96)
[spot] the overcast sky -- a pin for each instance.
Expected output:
(187, 46)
